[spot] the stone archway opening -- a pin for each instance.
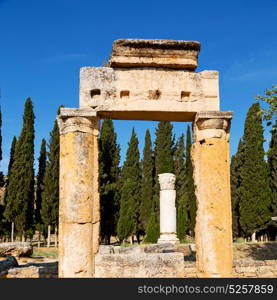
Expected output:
(145, 80)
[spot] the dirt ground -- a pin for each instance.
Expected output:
(251, 251)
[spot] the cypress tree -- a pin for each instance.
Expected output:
(181, 195)
(235, 177)
(272, 164)
(50, 188)
(2, 179)
(129, 218)
(147, 181)
(164, 163)
(189, 186)
(254, 190)
(20, 204)
(6, 212)
(40, 177)
(109, 157)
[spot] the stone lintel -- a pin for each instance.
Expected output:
(78, 120)
(155, 53)
(212, 124)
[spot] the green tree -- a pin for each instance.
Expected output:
(5, 221)
(272, 164)
(20, 203)
(109, 157)
(164, 163)
(189, 186)
(2, 179)
(181, 194)
(271, 99)
(129, 217)
(235, 178)
(40, 176)
(50, 187)
(254, 190)
(147, 181)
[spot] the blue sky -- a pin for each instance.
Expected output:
(44, 43)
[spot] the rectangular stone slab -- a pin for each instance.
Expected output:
(155, 53)
(148, 93)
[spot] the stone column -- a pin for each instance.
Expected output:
(79, 207)
(213, 231)
(167, 209)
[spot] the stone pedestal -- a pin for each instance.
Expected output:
(213, 231)
(167, 209)
(79, 207)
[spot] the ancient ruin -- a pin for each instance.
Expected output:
(145, 80)
(167, 209)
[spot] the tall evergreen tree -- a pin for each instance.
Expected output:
(20, 204)
(109, 157)
(50, 188)
(272, 164)
(40, 176)
(254, 190)
(164, 163)
(235, 176)
(2, 179)
(129, 218)
(147, 181)
(5, 221)
(189, 186)
(181, 195)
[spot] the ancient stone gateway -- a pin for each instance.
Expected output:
(145, 80)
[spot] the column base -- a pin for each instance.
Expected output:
(166, 238)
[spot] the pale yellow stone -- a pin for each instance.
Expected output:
(148, 93)
(213, 232)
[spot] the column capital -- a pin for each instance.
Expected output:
(78, 120)
(167, 181)
(212, 124)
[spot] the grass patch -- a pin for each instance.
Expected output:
(45, 252)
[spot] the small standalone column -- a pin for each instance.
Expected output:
(213, 231)
(167, 209)
(78, 213)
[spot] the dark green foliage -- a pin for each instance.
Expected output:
(164, 163)
(1, 154)
(153, 228)
(2, 179)
(164, 151)
(147, 181)
(129, 218)
(237, 162)
(109, 157)
(20, 200)
(40, 177)
(12, 154)
(126, 221)
(272, 164)
(50, 188)
(181, 195)
(180, 171)
(189, 186)
(254, 191)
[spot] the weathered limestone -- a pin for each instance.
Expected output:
(167, 209)
(79, 211)
(155, 53)
(213, 232)
(144, 92)
(16, 248)
(146, 80)
(144, 265)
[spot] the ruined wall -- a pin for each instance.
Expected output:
(242, 269)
